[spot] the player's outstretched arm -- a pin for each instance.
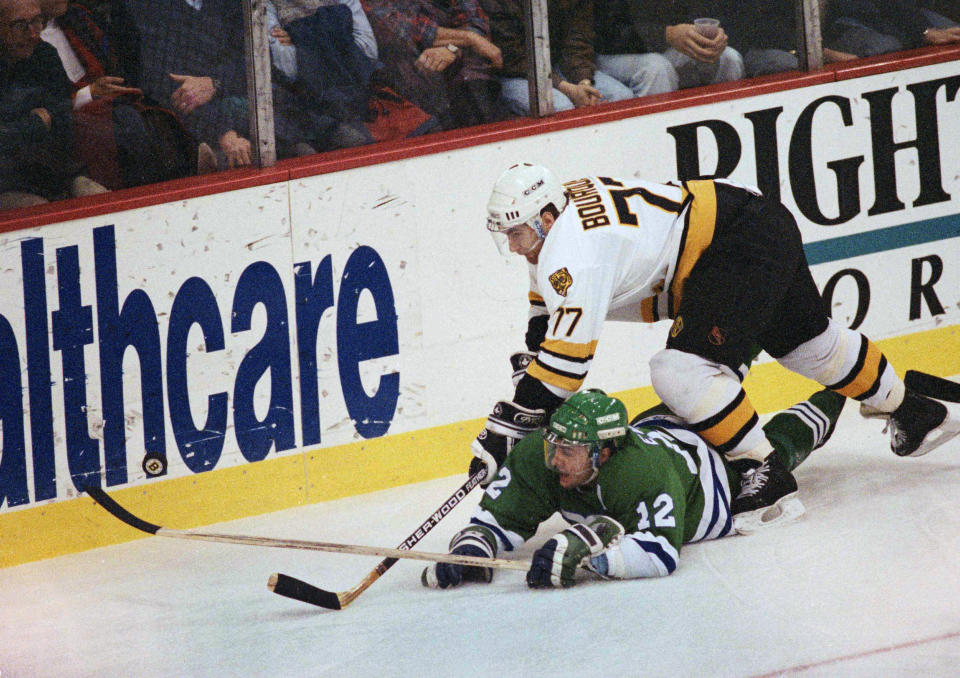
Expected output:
(473, 540)
(640, 554)
(556, 562)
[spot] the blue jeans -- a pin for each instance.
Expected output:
(515, 95)
(862, 40)
(644, 74)
(764, 61)
(694, 73)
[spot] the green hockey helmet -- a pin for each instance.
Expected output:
(590, 418)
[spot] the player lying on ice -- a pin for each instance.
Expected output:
(727, 266)
(633, 495)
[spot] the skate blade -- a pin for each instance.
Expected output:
(787, 509)
(937, 437)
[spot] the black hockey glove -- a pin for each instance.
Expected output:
(506, 425)
(556, 562)
(518, 363)
(472, 540)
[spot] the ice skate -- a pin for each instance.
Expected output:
(917, 426)
(768, 495)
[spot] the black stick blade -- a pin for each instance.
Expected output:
(293, 588)
(117, 511)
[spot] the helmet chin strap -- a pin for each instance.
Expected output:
(593, 476)
(594, 464)
(538, 227)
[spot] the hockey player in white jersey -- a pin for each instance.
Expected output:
(727, 266)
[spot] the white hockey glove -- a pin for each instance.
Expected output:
(506, 425)
(473, 540)
(556, 562)
(519, 363)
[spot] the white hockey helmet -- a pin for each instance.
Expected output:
(519, 195)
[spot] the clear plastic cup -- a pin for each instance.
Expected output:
(707, 27)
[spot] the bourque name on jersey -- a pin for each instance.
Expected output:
(586, 199)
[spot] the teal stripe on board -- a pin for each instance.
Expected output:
(883, 239)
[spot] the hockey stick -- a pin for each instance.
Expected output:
(932, 386)
(291, 587)
(117, 511)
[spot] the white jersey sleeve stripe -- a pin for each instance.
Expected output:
(716, 519)
(507, 540)
(721, 519)
(647, 555)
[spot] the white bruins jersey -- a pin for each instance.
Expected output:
(621, 250)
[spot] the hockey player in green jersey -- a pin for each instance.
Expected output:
(633, 494)
(727, 266)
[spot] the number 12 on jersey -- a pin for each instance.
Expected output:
(663, 513)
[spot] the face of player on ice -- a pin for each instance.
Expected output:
(572, 461)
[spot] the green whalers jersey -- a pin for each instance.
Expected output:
(664, 485)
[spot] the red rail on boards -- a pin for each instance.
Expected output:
(441, 142)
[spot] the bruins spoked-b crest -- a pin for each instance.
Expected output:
(561, 280)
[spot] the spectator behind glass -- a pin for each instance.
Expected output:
(322, 78)
(765, 33)
(948, 8)
(191, 60)
(862, 28)
(667, 26)
(622, 55)
(438, 55)
(35, 125)
(120, 141)
(291, 10)
(575, 78)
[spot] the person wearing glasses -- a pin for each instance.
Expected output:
(35, 119)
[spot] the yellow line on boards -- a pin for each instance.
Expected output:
(324, 474)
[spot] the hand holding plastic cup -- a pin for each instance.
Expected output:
(708, 28)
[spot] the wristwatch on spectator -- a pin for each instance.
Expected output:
(217, 87)
(453, 48)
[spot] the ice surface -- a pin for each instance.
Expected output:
(867, 583)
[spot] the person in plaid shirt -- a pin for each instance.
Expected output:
(438, 54)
